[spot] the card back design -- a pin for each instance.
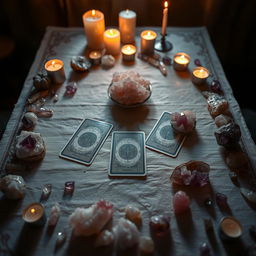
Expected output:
(127, 154)
(163, 137)
(85, 143)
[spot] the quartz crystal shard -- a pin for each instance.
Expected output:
(221, 120)
(228, 135)
(159, 225)
(46, 191)
(61, 238)
(184, 121)
(221, 200)
(180, 202)
(54, 215)
(71, 89)
(216, 104)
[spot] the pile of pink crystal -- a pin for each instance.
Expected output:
(129, 88)
(180, 202)
(183, 122)
(192, 173)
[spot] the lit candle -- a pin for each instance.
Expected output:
(55, 70)
(230, 228)
(112, 41)
(199, 75)
(128, 52)
(127, 24)
(94, 27)
(147, 41)
(181, 61)
(95, 57)
(34, 214)
(165, 18)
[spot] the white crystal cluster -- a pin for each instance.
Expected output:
(129, 88)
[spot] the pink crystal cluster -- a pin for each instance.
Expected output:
(193, 173)
(183, 122)
(129, 88)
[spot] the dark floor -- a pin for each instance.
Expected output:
(12, 80)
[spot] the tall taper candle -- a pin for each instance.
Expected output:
(165, 18)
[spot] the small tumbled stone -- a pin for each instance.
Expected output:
(197, 62)
(205, 250)
(108, 61)
(167, 60)
(55, 98)
(44, 112)
(71, 89)
(221, 200)
(215, 86)
(180, 202)
(208, 202)
(46, 191)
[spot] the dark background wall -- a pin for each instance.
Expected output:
(231, 25)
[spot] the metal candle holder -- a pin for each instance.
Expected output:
(163, 45)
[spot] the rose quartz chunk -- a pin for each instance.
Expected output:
(180, 202)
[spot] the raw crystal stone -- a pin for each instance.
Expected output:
(44, 112)
(147, 246)
(215, 86)
(180, 202)
(29, 142)
(69, 187)
(80, 64)
(208, 202)
(29, 120)
(205, 250)
(105, 238)
(252, 231)
(221, 200)
(61, 238)
(71, 89)
(216, 104)
(192, 173)
(46, 191)
(250, 195)
(162, 68)
(167, 60)
(221, 120)
(159, 225)
(197, 62)
(228, 135)
(184, 122)
(237, 159)
(133, 214)
(108, 61)
(54, 215)
(37, 96)
(41, 81)
(55, 98)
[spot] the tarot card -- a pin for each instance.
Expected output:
(127, 154)
(163, 137)
(86, 142)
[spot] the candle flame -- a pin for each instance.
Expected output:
(201, 70)
(53, 62)
(33, 210)
(149, 33)
(127, 10)
(182, 114)
(93, 12)
(95, 53)
(111, 31)
(128, 48)
(182, 56)
(165, 4)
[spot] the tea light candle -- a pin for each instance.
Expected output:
(94, 27)
(147, 41)
(181, 61)
(127, 24)
(199, 75)
(95, 57)
(34, 214)
(128, 52)
(112, 41)
(55, 70)
(230, 228)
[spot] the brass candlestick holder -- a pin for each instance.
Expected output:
(163, 45)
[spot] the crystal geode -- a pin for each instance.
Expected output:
(192, 173)
(228, 135)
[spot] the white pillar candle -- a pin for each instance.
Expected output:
(128, 52)
(94, 27)
(199, 75)
(55, 70)
(165, 18)
(147, 41)
(127, 25)
(181, 61)
(112, 41)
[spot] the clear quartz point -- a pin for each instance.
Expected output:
(61, 238)
(46, 191)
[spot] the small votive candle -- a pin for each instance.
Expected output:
(128, 52)
(230, 228)
(147, 41)
(112, 41)
(181, 61)
(34, 214)
(199, 75)
(95, 57)
(94, 27)
(55, 70)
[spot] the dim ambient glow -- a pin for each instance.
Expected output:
(93, 12)
(166, 4)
